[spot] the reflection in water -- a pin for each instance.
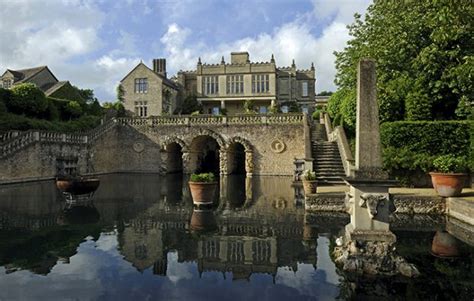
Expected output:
(142, 231)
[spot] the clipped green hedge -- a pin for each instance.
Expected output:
(411, 147)
(10, 121)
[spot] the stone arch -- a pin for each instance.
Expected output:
(212, 134)
(174, 139)
(172, 154)
(232, 158)
(248, 147)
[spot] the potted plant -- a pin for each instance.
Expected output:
(449, 176)
(310, 182)
(203, 187)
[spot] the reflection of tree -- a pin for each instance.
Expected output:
(38, 251)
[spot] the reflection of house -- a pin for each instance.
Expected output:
(43, 78)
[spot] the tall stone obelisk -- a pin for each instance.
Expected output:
(368, 195)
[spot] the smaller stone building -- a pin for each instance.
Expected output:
(148, 92)
(43, 78)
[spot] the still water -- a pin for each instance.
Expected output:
(139, 238)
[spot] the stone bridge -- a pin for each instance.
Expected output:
(249, 144)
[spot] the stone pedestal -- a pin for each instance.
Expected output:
(369, 209)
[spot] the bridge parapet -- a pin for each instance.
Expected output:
(213, 120)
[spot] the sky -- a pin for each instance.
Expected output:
(95, 43)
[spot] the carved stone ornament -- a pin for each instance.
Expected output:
(138, 147)
(372, 200)
(278, 146)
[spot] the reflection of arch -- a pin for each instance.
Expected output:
(174, 139)
(236, 156)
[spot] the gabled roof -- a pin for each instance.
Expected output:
(50, 89)
(165, 80)
(23, 75)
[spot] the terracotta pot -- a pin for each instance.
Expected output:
(444, 245)
(202, 193)
(448, 184)
(309, 187)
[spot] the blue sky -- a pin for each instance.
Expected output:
(95, 43)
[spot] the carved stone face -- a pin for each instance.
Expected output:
(372, 201)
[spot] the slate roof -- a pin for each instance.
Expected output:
(166, 81)
(24, 75)
(50, 89)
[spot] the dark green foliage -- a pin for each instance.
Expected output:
(309, 175)
(73, 108)
(95, 108)
(410, 147)
(450, 164)
(249, 106)
(5, 96)
(325, 93)
(27, 99)
(71, 93)
(465, 109)
(316, 115)
(423, 51)
(203, 177)
(120, 93)
(190, 105)
(10, 121)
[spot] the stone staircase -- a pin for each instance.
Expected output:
(14, 141)
(327, 161)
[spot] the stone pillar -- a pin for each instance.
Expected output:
(222, 104)
(223, 162)
(368, 161)
(187, 166)
(249, 164)
(272, 103)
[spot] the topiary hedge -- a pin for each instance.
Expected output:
(410, 147)
(10, 121)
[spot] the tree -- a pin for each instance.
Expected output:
(190, 105)
(120, 93)
(325, 93)
(27, 99)
(73, 108)
(425, 44)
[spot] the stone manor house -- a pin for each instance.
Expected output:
(223, 87)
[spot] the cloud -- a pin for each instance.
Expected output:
(290, 41)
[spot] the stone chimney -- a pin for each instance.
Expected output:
(159, 66)
(239, 58)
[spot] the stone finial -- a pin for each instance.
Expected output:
(272, 60)
(312, 66)
(222, 60)
(199, 61)
(293, 65)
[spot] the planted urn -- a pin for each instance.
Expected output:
(310, 182)
(449, 176)
(203, 187)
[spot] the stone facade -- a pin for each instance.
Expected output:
(269, 143)
(240, 80)
(148, 92)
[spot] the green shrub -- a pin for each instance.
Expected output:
(450, 164)
(309, 175)
(249, 106)
(203, 177)
(316, 115)
(411, 147)
(27, 99)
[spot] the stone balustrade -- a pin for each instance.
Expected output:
(11, 142)
(15, 142)
(213, 120)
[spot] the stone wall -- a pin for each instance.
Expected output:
(271, 144)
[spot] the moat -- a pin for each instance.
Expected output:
(139, 237)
